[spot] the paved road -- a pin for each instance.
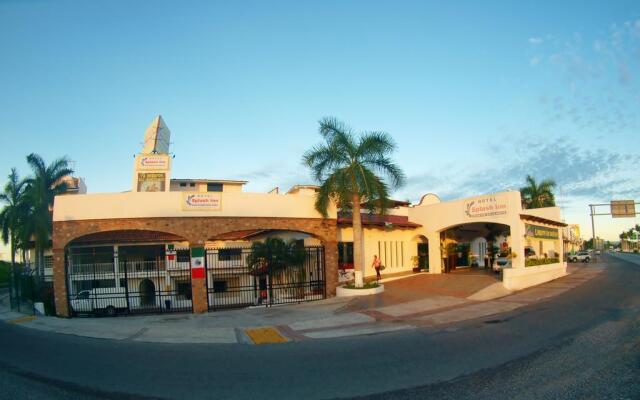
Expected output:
(581, 344)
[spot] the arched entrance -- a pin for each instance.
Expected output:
(421, 260)
(473, 245)
(134, 271)
(147, 293)
(264, 267)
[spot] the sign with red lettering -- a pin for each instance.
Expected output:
(487, 206)
(192, 201)
(153, 162)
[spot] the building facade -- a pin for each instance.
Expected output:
(190, 244)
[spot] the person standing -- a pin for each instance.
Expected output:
(376, 266)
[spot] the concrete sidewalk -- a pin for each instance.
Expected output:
(408, 303)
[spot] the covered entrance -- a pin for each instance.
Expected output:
(473, 245)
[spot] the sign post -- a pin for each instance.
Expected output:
(618, 209)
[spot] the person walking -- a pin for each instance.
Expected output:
(376, 266)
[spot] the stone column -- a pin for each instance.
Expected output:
(60, 289)
(331, 266)
(198, 280)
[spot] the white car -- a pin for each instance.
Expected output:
(104, 300)
(581, 256)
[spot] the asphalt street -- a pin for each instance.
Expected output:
(580, 344)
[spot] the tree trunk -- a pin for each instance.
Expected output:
(358, 247)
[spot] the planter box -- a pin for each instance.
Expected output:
(344, 292)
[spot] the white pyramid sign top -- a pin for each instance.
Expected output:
(157, 137)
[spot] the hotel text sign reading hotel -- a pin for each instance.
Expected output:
(201, 201)
(488, 206)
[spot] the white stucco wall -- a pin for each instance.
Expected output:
(397, 247)
(505, 208)
(169, 204)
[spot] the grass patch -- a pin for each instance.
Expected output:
(370, 285)
(532, 262)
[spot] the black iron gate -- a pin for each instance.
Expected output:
(233, 283)
(131, 279)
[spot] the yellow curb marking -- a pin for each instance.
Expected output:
(22, 319)
(265, 335)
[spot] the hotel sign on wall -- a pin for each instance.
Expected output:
(541, 232)
(153, 162)
(201, 201)
(487, 206)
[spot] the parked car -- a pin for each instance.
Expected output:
(103, 300)
(597, 252)
(581, 256)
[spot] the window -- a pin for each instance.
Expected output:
(230, 254)
(192, 184)
(183, 255)
(214, 187)
(184, 289)
(104, 283)
(345, 253)
(219, 286)
(48, 261)
(183, 184)
(84, 295)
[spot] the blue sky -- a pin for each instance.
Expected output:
(476, 94)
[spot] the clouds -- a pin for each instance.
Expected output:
(535, 40)
(595, 174)
(593, 81)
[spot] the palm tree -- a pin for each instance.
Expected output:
(279, 260)
(348, 167)
(13, 212)
(43, 186)
(536, 195)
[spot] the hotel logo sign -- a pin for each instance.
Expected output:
(153, 162)
(489, 206)
(201, 201)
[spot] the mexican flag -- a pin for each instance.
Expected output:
(197, 257)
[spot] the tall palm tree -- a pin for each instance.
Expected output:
(536, 195)
(46, 182)
(13, 213)
(351, 168)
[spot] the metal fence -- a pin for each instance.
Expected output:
(142, 280)
(232, 283)
(29, 291)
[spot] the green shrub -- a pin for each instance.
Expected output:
(532, 262)
(370, 285)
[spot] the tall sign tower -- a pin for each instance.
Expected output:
(152, 167)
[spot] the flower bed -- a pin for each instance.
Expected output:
(532, 262)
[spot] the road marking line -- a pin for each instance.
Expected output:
(265, 335)
(22, 320)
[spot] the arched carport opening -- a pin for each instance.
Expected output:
(264, 267)
(473, 245)
(128, 271)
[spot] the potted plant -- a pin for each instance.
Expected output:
(415, 261)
